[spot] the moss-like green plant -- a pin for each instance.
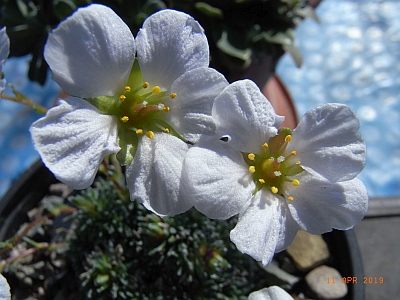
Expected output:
(123, 251)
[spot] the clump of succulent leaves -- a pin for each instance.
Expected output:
(110, 247)
(239, 31)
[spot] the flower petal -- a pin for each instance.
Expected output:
(91, 53)
(216, 178)
(243, 113)
(154, 175)
(271, 293)
(265, 226)
(327, 140)
(4, 289)
(4, 51)
(190, 113)
(170, 44)
(72, 139)
(320, 205)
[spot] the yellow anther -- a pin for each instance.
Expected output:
(265, 145)
(251, 156)
(127, 89)
(295, 182)
(166, 130)
(166, 108)
(290, 198)
(139, 131)
(288, 138)
(261, 180)
(122, 98)
(297, 163)
(125, 119)
(294, 153)
(150, 134)
(172, 95)
(156, 89)
(252, 169)
(274, 189)
(145, 85)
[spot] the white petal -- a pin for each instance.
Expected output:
(327, 140)
(4, 51)
(72, 139)
(242, 112)
(170, 44)
(320, 205)
(271, 293)
(265, 226)
(217, 179)
(154, 175)
(190, 112)
(4, 289)
(91, 53)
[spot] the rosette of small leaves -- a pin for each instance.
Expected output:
(123, 251)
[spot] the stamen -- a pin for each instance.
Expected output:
(294, 153)
(122, 98)
(277, 173)
(290, 198)
(251, 156)
(265, 145)
(252, 169)
(125, 119)
(172, 95)
(145, 85)
(150, 134)
(298, 163)
(160, 106)
(295, 182)
(127, 89)
(156, 89)
(261, 180)
(166, 130)
(166, 108)
(274, 189)
(139, 131)
(280, 159)
(288, 138)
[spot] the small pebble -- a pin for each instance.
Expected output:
(326, 283)
(308, 251)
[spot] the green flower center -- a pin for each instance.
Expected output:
(275, 166)
(138, 109)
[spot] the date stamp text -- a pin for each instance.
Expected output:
(356, 280)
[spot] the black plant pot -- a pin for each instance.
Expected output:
(34, 184)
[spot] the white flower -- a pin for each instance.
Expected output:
(278, 182)
(4, 289)
(4, 51)
(141, 98)
(271, 293)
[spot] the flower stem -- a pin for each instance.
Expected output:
(21, 98)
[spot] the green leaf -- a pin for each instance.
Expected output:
(101, 279)
(224, 45)
(209, 11)
(295, 53)
(64, 8)
(307, 12)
